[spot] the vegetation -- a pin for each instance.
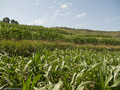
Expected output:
(58, 58)
(64, 69)
(14, 22)
(7, 20)
(20, 32)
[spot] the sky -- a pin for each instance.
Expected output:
(83, 14)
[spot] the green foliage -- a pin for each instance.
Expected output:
(92, 40)
(61, 69)
(24, 32)
(14, 32)
(26, 47)
(6, 20)
(14, 22)
(40, 58)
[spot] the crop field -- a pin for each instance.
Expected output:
(23, 32)
(58, 58)
(62, 69)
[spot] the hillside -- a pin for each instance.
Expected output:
(58, 58)
(13, 37)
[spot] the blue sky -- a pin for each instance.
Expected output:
(86, 14)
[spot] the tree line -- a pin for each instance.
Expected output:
(7, 20)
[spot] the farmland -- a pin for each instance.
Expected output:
(58, 58)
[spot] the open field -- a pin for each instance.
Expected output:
(58, 58)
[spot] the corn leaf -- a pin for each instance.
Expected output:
(58, 85)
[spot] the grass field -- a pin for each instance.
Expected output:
(58, 58)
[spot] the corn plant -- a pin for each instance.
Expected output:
(61, 69)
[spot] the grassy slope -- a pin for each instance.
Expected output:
(32, 45)
(115, 34)
(51, 68)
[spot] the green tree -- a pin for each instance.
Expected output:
(6, 19)
(14, 22)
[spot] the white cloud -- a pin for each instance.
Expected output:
(63, 6)
(40, 21)
(112, 19)
(65, 14)
(37, 2)
(80, 15)
(55, 14)
(58, 13)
